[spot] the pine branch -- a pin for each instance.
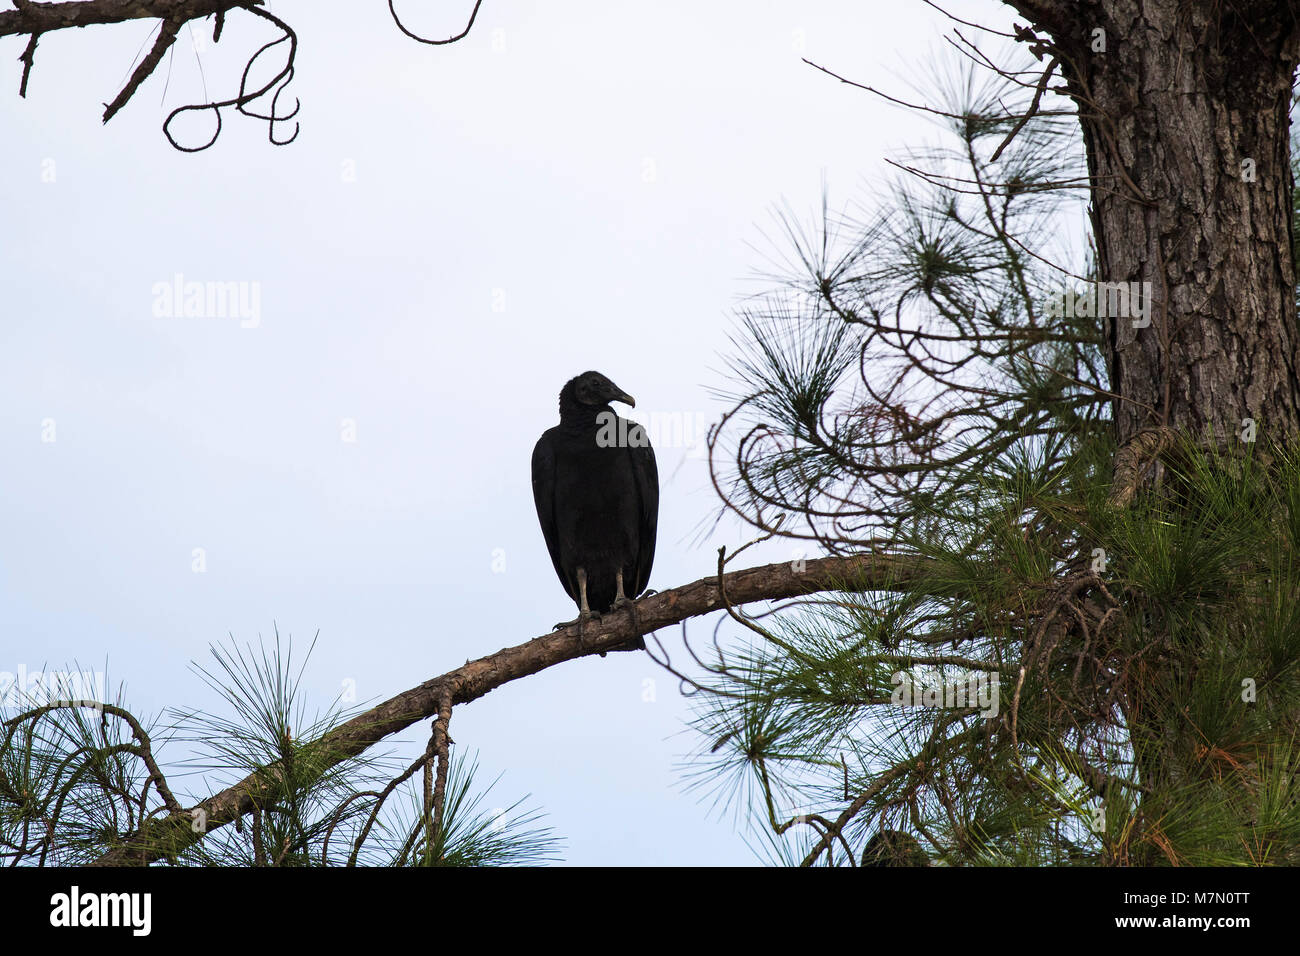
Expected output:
(165, 837)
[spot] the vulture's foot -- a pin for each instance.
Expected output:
(637, 643)
(579, 621)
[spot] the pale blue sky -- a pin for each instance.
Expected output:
(569, 189)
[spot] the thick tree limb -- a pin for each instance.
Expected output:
(1134, 458)
(46, 17)
(1162, 444)
(870, 572)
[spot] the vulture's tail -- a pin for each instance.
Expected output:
(636, 645)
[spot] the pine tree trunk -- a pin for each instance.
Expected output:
(1184, 107)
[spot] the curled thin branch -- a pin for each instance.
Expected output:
(245, 98)
(419, 39)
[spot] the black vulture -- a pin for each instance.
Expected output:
(596, 488)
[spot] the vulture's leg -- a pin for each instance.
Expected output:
(619, 597)
(622, 600)
(584, 610)
(585, 613)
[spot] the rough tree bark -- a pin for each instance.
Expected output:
(31, 17)
(1185, 112)
(1185, 115)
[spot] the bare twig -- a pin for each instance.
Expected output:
(166, 37)
(1029, 113)
(27, 59)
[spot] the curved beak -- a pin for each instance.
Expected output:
(625, 398)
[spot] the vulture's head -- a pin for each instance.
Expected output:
(594, 391)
